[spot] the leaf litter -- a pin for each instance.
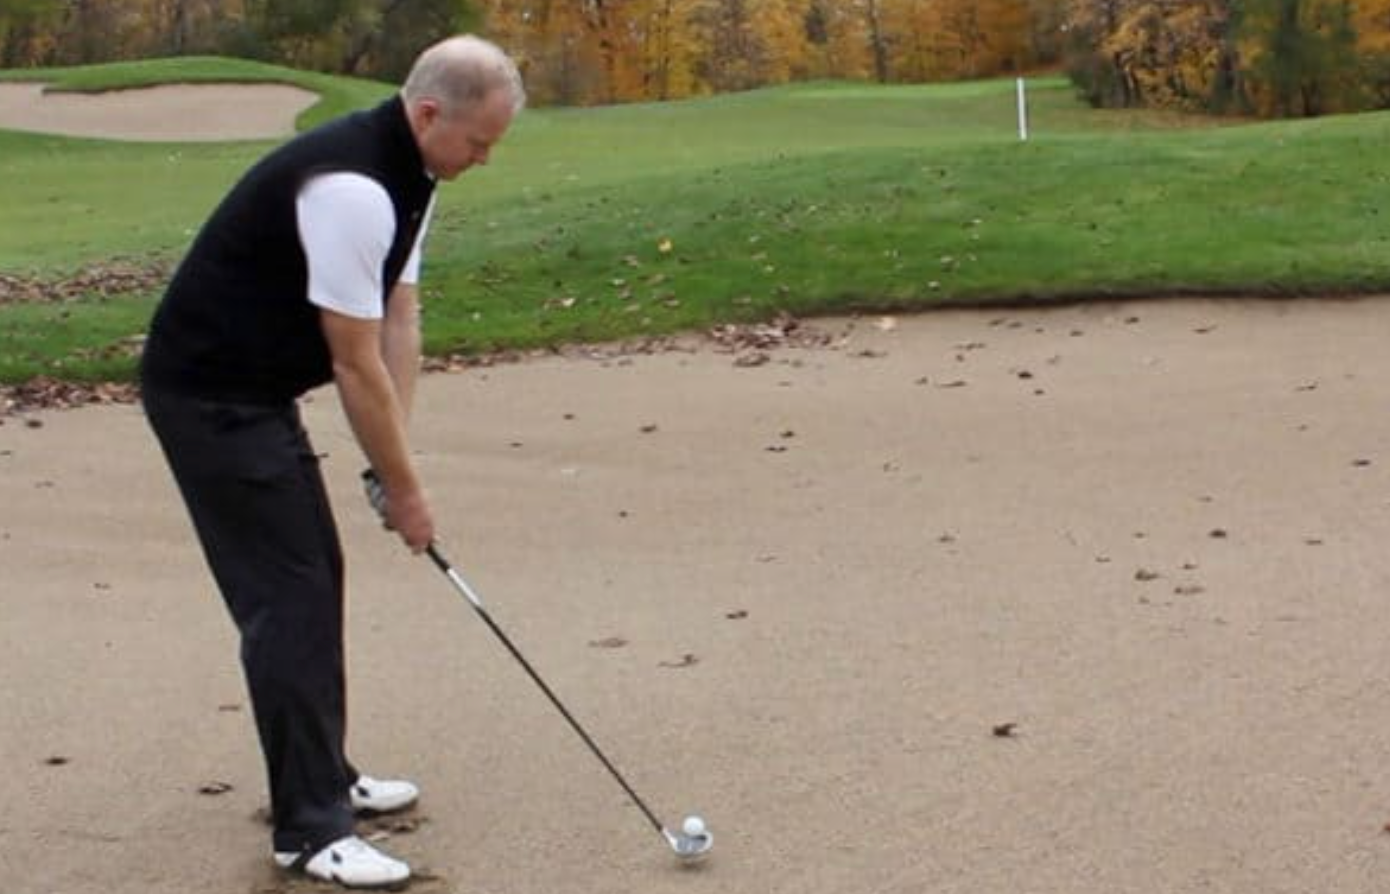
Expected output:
(749, 342)
(107, 280)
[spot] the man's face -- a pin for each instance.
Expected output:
(451, 143)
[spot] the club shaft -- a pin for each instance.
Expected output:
(472, 597)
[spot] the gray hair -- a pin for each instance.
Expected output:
(460, 72)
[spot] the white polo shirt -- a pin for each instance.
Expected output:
(346, 226)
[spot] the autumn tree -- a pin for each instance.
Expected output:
(547, 39)
(190, 26)
(668, 50)
(734, 55)
(1302, 55)
(1098, 76)
(381, 38)
(1046, 31)
(1372, 24)
(838, 43)
(26, 30)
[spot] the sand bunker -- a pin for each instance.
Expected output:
(1074, 600)
(171, 112)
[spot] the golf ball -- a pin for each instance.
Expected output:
(693, 826)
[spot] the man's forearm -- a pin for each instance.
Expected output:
(400, 344)
(374, 411)
(372, 403)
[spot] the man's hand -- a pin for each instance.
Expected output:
(408, 515)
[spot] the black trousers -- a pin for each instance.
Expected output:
(252, 484)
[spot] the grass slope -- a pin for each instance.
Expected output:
(603, 223)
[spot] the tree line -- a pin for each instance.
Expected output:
(579, 51)
(1271, 58)
(1261, 57)
(365, 38)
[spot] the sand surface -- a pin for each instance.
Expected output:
(173, 112)
(798, 597)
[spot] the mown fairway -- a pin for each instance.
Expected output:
(603, 223)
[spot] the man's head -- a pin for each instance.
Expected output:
(461, 96)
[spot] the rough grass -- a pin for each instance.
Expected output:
(818, 198)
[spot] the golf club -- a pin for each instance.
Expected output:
(689, 843)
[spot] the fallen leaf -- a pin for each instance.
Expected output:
(784, 331)
(749, 360)
(214, 788)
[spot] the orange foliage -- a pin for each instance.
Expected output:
(588, 51)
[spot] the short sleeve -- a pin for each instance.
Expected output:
(346, 225)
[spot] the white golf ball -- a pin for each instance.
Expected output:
(693, 826)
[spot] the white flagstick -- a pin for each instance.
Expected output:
(1022, 112)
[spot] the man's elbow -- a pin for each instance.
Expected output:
(355, 369)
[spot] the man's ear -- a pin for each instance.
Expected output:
(429, 110)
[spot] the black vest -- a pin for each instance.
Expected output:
(236, 322)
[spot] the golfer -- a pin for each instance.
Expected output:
(305, 274)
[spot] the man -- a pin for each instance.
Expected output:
(306, 273)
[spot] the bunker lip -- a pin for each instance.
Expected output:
(164, 113)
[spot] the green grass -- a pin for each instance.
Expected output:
(815, 198)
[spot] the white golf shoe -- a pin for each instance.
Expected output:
(350, 862)
(382, 795)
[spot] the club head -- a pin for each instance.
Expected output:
(689, 848)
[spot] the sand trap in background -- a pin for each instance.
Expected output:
(172, 112)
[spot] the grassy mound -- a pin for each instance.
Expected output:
(604, 223)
